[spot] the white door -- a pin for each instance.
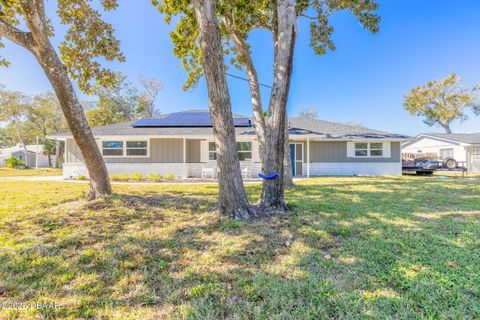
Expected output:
(475, 159)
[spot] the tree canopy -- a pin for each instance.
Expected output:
(246, 16)
(442, 101)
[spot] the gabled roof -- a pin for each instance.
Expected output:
(30, 148)
(297, 127)
(468, 138)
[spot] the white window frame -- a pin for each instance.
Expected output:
(113, 140)
(214, 152)
(209, 151)
(124, 152)
(243, 151)
(369, 149)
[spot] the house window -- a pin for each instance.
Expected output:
(212, 153)
(376, 149)
(446, 153)
(125, 148)
(361, 149)
(244, 150)
(137, 148)
(475, 155)
(112, 148)
(366, 149)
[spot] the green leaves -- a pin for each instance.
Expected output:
(442, 101)
(88, 38)
(242, 16)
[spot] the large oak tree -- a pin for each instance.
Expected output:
(238, 18)
(88, 38)
(442, 101)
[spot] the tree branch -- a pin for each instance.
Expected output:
(16, 35)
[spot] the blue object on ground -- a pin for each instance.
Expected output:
(271, 176)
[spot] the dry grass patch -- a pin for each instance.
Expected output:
(346, 250)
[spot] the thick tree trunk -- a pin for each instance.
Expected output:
(232, 197)
(57, 74)
(73, 111)
(258, 116)
(273, 190)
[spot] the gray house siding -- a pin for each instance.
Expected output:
(336, 152)
(161, 151)
(72, 152)
(193, 151)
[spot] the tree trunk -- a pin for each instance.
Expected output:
(20, 138)
(232, 197)
(273, 190)
(57, 153)
(258, 117)
(446, 127)
(72, 109)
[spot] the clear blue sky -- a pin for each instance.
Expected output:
(363, 80)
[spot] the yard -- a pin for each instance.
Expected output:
(398, 248)
(42, 172)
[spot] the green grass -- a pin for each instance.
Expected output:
(153, 252)
(43, 172)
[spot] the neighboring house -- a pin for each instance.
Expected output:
(463, 147)
(29, 158)
(182, 143)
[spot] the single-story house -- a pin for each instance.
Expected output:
(182, 143)
(463, 147)
(28, 157)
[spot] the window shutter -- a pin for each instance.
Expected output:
(387, 150)
(350, 149)
(203, 151)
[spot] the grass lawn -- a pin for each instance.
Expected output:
(6, 172)
(396, 248)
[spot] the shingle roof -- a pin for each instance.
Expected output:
(470, 138)
(319, 128)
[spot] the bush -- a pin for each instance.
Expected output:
(154, 177)
(169, 176)
(123, 177)
(137, 177)
(15, 163)
(81, 178)
(115, 177)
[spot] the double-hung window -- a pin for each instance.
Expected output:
(121, 148)
(212, 151)
(112, 148)
(137, 148)
(376, 149)
(368, 149)
(244, 150)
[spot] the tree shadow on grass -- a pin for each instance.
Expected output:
(168, 255)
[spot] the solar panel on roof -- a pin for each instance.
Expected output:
(187, 119)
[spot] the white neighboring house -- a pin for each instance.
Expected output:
(19, 152)
(463, 147)
(182, 143)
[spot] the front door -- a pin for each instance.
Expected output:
(296, 155)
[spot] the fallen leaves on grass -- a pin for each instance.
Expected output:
(453, 264)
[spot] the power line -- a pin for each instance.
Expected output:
(245, 79)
